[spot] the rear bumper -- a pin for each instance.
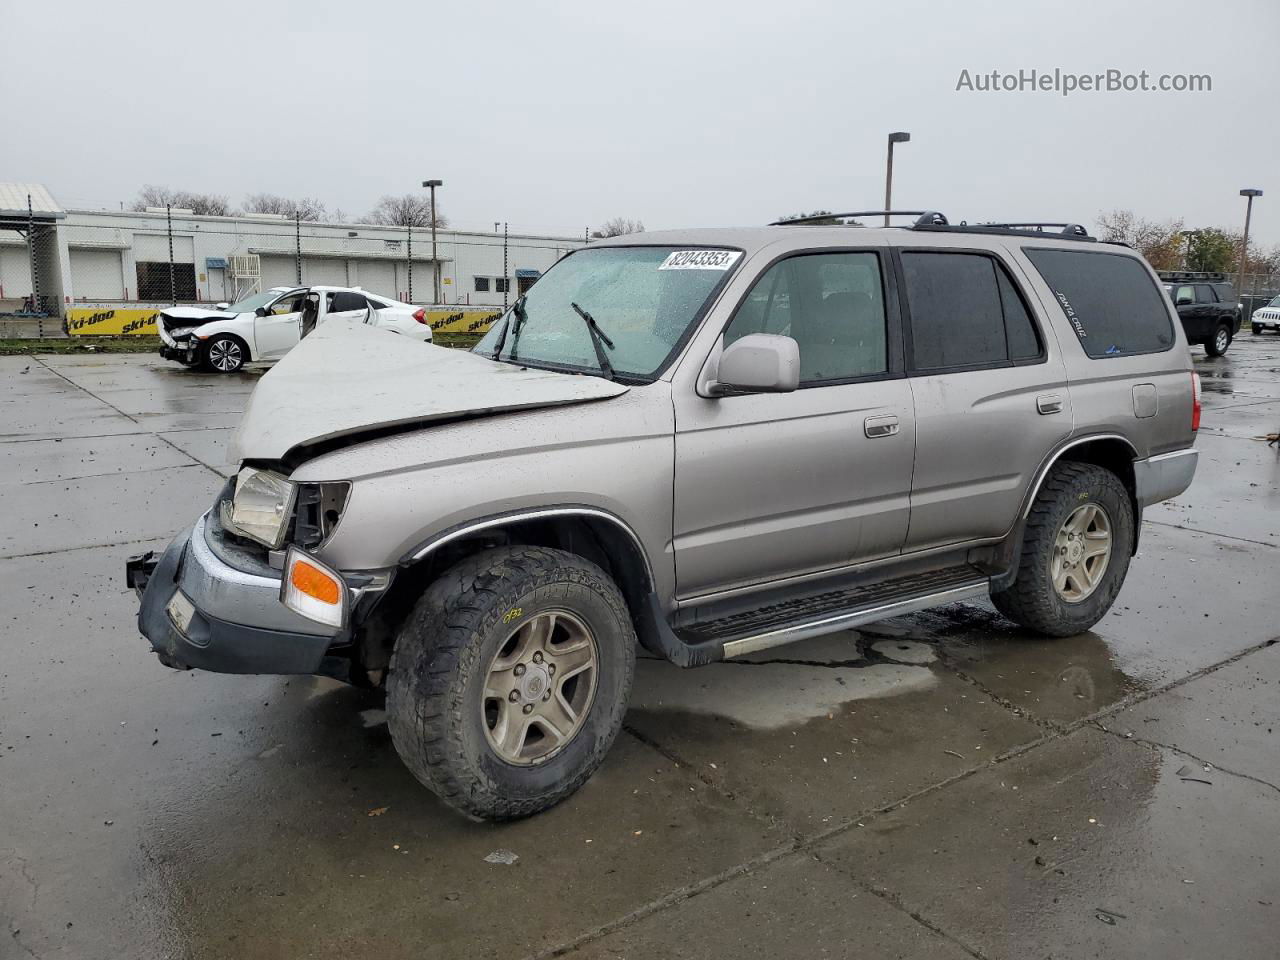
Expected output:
(236, 624)
(1165, 476)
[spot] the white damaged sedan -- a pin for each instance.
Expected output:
(266, 326)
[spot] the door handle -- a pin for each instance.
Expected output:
(1049, 403)
(880, 426)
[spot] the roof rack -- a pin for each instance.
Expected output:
(1191, 276)
(922, 216)
(1062, 231)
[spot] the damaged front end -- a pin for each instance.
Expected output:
(218, 600)
(177, 329)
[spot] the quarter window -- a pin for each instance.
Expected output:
(965, 312)
(831, 304)
(1112, 303)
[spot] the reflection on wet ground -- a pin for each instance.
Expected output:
(938, 785)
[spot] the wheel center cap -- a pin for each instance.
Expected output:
(1075, 551)
(535, 682)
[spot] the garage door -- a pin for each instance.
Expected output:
(376, 276)
(15, 272)
(324, 271)
(95, 275)
(278, 272)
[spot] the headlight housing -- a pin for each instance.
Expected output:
(261, 506)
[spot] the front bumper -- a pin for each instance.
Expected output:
(1165, 476)
(237, 623)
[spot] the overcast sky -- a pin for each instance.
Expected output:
(558, 116)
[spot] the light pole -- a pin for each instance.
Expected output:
(1244, 245)
(1187, 236)
(435, 260)
(899, 137)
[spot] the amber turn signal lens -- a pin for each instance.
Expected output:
(314, 582)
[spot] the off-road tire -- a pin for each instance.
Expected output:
(1216, 345)
(1031, 599)
(442, 655)
(224, 341)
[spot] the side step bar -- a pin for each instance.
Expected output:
(812, 616)
(846, 620)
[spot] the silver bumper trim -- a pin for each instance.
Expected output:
(1164, 476)
(236, 596)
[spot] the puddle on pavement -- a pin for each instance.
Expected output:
(789, 685)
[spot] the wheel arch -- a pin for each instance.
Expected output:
(244, 341)
(1111, 451)
(589, 532)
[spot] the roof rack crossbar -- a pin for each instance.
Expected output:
(857, 213)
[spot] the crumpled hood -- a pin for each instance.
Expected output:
(347, 378)
(194, 316)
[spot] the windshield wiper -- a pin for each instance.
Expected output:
(521, 317)
(598, 340)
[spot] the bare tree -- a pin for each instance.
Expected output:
(204, 204)
(306, 208)
(617, 227)
(407, 210)
(1160, 242)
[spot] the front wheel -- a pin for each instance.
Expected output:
(509, 680)
(1075, 552)
(1217, 346)
(224, 354)
(1257, 329)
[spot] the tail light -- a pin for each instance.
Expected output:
(1195, 402)
(420, 315)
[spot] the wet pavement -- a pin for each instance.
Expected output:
(941, 785)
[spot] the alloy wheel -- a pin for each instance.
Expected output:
(225, 355)
(1222, 340)
(1081, 552)
(539, 688)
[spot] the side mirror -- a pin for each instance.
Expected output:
(758, 363)
(222, 305)
(1184, 302)
(261, 311)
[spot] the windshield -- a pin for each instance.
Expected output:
(642, 299)
(1274, 303)
(250, 304)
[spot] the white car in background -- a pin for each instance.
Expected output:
(267, 325)
(1267, 318)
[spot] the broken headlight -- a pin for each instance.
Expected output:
(261, 506)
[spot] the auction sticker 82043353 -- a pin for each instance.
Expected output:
(700, 260)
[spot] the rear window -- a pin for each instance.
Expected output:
(1114, 306)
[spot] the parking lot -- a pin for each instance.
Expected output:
(939, 785)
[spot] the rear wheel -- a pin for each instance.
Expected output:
(509, 680)
(1217, 346)
(224, 354)
(1075, 552)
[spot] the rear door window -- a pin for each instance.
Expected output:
(343, 301)
(965, 313)
(1204, 294)
(1113, 305)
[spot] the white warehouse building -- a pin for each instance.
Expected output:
(154, 257)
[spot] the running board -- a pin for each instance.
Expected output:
(801, 619)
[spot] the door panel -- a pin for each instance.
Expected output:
(279, 331)
(776, 485)
(989, 390)
(980, 437)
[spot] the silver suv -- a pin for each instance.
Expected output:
(708, 442)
